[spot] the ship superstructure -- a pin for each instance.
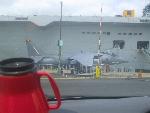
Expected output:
(128, 37)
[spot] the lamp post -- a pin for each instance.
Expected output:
(60, 42)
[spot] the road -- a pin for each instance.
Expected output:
(102, 87)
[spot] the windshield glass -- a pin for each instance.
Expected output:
(93, 48)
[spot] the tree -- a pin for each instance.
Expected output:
(146, 10)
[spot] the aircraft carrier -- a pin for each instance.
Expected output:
(127, 37)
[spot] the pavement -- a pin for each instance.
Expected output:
(110, 75)
(102, 87)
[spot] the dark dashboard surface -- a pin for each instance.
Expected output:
(122, 105)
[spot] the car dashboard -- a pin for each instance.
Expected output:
(120, 105)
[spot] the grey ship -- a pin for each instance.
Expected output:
(127, 37)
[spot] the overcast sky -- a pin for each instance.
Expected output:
(70, 7)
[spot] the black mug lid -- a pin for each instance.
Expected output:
(15, 66)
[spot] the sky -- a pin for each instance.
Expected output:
(71, 7)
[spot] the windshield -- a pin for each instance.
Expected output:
(93, 48)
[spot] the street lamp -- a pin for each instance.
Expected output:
(60, 42)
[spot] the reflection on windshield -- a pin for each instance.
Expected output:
(90, 48)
